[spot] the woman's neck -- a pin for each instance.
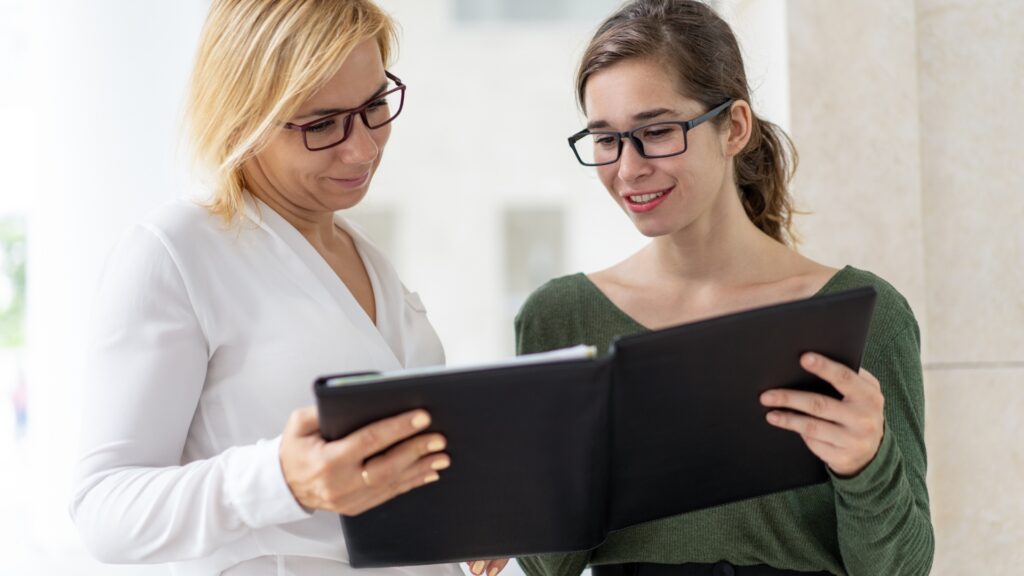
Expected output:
(317, 227)
(722, 247)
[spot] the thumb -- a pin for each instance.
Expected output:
(302, 422)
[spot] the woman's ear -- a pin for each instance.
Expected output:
(739, 124)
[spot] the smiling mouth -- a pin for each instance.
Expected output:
(356, 179)
(645, 198)
(351, 182)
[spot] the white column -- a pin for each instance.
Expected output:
(107, 96)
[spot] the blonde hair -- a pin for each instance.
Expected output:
(257, 62)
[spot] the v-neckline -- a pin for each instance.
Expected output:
(326, 285)
(642, 328)
(375, 291)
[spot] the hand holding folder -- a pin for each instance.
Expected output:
(549, 454)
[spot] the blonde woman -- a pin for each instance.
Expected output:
(199, 448)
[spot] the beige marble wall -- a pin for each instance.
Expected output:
(975, 438)
(971, 69)
(970, 58)
(908, 118)
(854, 114)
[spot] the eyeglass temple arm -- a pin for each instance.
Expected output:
(709, 114)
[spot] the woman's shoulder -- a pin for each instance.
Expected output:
(182, 220)
(195, 236)
(146, 261)
(554, 295)
(549, 318)
(849, 277)
(892, 314)
(153, 236)
(174, 244)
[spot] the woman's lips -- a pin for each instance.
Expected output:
(351, 183)
(640, 202)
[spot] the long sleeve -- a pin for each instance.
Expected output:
(134, 500)
(883, 520)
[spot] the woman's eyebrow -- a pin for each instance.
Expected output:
(329, 111)
(638, 117)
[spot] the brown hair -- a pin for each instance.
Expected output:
(700, 48)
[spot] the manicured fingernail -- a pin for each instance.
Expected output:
(420, 421)
(492, 571)
(432, 477)
(440, 463)
(436, 445)
(477, 568)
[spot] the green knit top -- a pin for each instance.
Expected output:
(876, 523)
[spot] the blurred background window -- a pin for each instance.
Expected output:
(16, 156)
(12, 322)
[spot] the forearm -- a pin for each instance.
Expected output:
(884, 525)
(163, 514)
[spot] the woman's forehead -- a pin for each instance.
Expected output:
(357, 79)
(632, 87)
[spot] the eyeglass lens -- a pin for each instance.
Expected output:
(656, 140)
(334, 130)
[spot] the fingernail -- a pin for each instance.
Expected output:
(492, 571)
(477, 568)
(436, 445)
(440, 463)
(420, 421)
(432, 477)
(810, 359)
(767, 398)
(773, 417)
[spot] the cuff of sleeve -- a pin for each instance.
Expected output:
(878, 474)
(256, 487)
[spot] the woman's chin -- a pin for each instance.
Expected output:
(651, 228)
(336, 200)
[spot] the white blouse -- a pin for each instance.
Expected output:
(205, 338)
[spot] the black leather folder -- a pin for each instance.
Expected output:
(552, 456)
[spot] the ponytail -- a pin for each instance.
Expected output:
(763, 172)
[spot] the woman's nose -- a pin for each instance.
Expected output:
(632, 165)
(360, 147)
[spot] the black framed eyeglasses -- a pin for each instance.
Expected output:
(333, 129)
(658, 140)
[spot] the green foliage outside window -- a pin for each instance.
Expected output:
(12, 281)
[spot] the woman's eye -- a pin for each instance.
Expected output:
(321, 126)
(655, 133)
